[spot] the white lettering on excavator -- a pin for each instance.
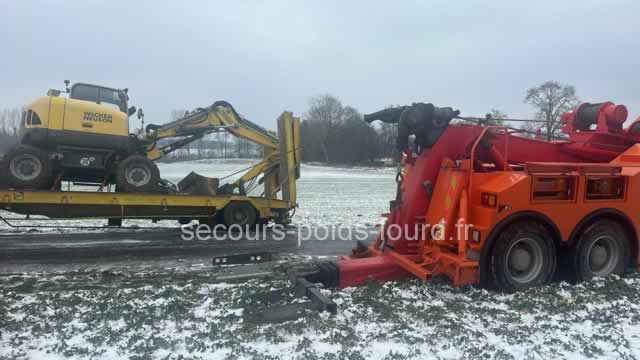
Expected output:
(98, 117)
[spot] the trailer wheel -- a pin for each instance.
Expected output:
(137, 174)
(524, 256)
(240, 213)
(28, 167)
(602, 249)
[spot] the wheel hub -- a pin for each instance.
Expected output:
(520, 259)
(603, 256)
(25, 167)
(524, 260)
(598, 256)
(138, 176)
(239, 216)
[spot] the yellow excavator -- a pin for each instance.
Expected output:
(81, 135)
(85, 138)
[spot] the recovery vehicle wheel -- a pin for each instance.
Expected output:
(602, 249)
(239, 213)
(137, 174)
(524, 256)
(28, 167)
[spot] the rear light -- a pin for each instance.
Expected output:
(490, 200)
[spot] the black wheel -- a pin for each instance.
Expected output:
(137, 174)
(524, 256)
(602, 249)
(28, 167)
(239, 213)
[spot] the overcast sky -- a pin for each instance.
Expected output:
(268, 56)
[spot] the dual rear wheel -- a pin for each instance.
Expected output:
(525, 254)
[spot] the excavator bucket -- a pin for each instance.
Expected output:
(196, 184)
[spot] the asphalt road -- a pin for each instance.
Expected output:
(145, 249)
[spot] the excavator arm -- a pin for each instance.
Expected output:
(220, 116)
(279, 167)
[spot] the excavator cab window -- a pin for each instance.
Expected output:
(100, 95)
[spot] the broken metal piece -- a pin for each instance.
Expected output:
(307, 280)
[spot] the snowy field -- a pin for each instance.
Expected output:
(180, 313)
(183, 315)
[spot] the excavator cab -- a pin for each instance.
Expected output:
(100, 95)
(80, 137)
(97, 110)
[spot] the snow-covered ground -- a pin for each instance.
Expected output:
(327, 195)
(184, 315)
(180, 313)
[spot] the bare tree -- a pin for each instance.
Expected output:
(321, 119)
(550, 100)
(334, 133)
(388, 137)
(496, 117)
(10, 120)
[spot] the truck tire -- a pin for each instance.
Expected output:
(524, 256)
(137, 174)
(28, 168)
(240, 213)
(602, 249)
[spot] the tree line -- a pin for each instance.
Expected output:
(334, 133)
(337, 134)
(9, 123)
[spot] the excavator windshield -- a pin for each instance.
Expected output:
(100, 95)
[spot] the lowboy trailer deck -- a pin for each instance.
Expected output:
(117, 206)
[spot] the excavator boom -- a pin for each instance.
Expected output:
(221, 116)
(281, 152)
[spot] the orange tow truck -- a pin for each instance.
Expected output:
(488, 205)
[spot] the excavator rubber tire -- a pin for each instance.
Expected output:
(523, 256)
(240, 213)
(137, 174)
(27, 167)
(602, 249)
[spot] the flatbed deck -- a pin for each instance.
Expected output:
(114, 205)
